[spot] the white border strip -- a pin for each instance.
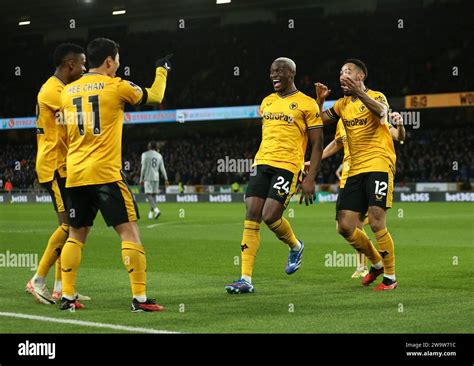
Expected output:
(85, 323)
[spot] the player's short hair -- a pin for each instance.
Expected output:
(360, 64)
(65, 49)
(153, 145)
(288, 61)
(99, 49)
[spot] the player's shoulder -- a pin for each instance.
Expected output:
(374, 92)
(119, 81)
(53, 84)
(50, 91)
(269, 98)
(304, 101)
(377, 95)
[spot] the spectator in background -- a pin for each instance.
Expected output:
(9, 186)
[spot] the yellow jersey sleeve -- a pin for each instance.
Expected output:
(335, 111)
(312, 115)
(129, 92)
(379, 97)
(49, 153)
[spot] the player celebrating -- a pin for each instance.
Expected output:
(289, 116)
(339, 142)
(152, 166)
(69, 60)
(369, 186)
(93, 108)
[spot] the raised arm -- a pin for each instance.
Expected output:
(377, 108)
(322, 92)
(398, 131)
(156, 92)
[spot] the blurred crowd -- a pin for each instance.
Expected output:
(428, 155)
(229, 65)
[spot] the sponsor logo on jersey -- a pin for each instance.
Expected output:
(278, 117)
(355, 122)
(138, 90)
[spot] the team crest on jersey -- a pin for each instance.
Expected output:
(381, 99)
(362, 108)
(293, 105)
(138, 90)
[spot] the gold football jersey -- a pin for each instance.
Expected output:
(370, 142)
(50, 133)
(286, 121)
(93, 108)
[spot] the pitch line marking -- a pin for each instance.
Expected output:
(161, 223)
(86, 323)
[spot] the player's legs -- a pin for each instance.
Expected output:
(57, 289)
(119, 209)
(257, 191)
(151, 189)
(353, 203)
(63, 221)
(379, 190)
(71, 259)
(361, 260)
(36, 286)
(249, 245)
(385, 243)
(81, 214)
(282, 187)
(273, 218)
(251, 235)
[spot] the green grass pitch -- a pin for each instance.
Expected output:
(190, 260)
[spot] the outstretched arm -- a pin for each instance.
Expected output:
(156, 92)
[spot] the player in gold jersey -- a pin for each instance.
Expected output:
(93, 109)
(69, 60)
(289, 118)
(397, 131)
(369, 186)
